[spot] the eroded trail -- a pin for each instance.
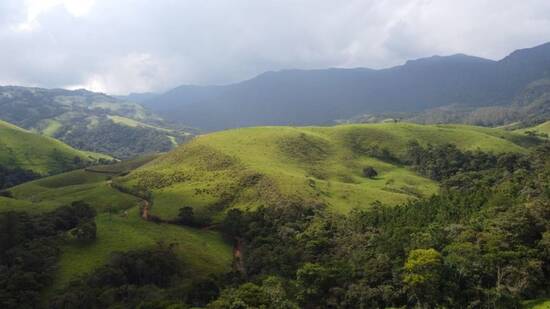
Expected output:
(238, 260)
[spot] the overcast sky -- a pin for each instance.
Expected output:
(121, 46)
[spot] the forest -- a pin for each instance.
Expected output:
(482, 242)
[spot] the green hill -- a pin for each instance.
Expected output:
(543, 128)
(41, 154)
(249, 167)
(88, 121)
(91, 185)
(119, 226)
(243, 168)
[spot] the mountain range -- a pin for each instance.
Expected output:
(304, 97)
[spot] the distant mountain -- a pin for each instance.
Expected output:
(321, 96)
(87, 120)
(137, 97)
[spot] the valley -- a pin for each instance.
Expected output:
(246, 170)
(421, 185)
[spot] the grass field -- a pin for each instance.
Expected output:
(537, 304)
(204, 252)
(249, 167)
(541, 128)
(91, 185)
(52, 126)
(41, 154)
(134, 123)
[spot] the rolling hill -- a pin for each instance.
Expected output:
(88, 121)
(119, 225)
(272, 166)
(40, 154)
(245, 168)
(540, 129)
(302, 97)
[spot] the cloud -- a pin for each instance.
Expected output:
(141, 45)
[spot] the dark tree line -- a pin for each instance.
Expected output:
(441, 162)
(29, 250)
(12, 176)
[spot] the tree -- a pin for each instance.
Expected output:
(313, 281)
(186, 216)
(369, 172)
(233, 222)
(85, 231)
(422, 276)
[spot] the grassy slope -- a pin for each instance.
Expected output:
(204, 252)
(270, 165)
(541, 128)
(91, 185)
(537, 304)
(134, 123)
(55, 191)
(22, 148)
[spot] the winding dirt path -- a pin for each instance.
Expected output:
(238, 260)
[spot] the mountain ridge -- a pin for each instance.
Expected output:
(304, 97)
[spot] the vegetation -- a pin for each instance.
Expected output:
(92, 187)
(248, 168)
(119, 140)
(10, 177)
(355, 216)
(484, 245)
(88, 121)
(29, 249)
(23, 152)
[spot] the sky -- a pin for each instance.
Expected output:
(123, 46)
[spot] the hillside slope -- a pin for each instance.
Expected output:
(298, 97)
(120, 227)
(41, 154)
(271, 166)
(87, 120)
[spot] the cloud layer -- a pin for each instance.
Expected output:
(141, 45)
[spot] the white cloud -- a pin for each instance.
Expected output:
(140, 45)
(35, 8)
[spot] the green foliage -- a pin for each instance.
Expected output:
(112, 284)
(369, 172)
(422, 275)
(29, 250)
(88, 121)
(481, 245)
(12, 176)
(118, 140)
(85, 231)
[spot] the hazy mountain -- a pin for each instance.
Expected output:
(87, 120)
(322, 96)
(137, 97)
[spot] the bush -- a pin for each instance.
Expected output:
(369, 172)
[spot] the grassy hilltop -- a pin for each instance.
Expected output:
(249, 167)
(41, 154)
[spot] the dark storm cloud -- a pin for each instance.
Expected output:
(138, 45)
